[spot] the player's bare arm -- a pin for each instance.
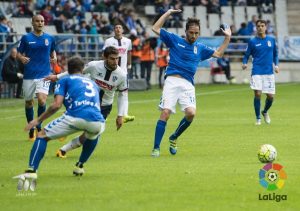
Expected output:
(53, 58)
(55, 106)
(119, 122)
(276, 69)
(23, 58)
(220, 51)
(160, 22)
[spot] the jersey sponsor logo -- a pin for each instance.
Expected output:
(181, 45)
(195, 49)
(46, 42)
(259, 44)
(31, 43)
(104, 85)
(122, 50)
(269, 43)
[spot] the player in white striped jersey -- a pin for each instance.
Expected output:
(110, 78)
(124, 45)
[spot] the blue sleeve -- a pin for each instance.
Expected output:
(60, 87)
(22, 45)
(275, 53)
(248, 52)
(167, 37)
(52, 45)
(206, 53)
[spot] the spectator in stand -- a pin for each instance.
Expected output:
(3, 29)
(270, 28)
(104, 26)
(162, 58)
(266, 6)
(82, 39)
(243, 31)
(147, 57)
(224, 63)
(10, 37)
(177, 17)
(135, 56)
(164, 7)
(12, 71)
(213, 6)
(252, 25)
(46, 13)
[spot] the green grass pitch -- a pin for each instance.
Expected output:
(216, 167)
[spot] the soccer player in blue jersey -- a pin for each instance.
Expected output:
(185, 54)
(81, 99)
(36, 50)
(263, 49)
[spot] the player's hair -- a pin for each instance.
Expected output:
(75, 65)
(33, 17)
(118, 24)
(260, 21)
(110, 50)
(191, 22)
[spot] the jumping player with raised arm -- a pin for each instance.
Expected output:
(185, 54)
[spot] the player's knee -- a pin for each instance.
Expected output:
(29, 103)
(42, 102)
(190, 114)
(42, 134)
(165, 114)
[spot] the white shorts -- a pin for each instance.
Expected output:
(34, 86)
(264, 83)
(66, 125)
(177, 90)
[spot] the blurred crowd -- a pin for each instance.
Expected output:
(69, 16)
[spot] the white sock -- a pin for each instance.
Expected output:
(75, 143)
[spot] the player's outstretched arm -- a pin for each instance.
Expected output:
(55, 106)
(220, 51)
(160, 22)
(119, 122)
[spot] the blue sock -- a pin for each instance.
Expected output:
(88, 148)
(257, 107)
(159, 133)
(183, 125)
(41, 109)
(29, 115)
(268, 105)
(37, 153)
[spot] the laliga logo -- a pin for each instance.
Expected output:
(272, 177)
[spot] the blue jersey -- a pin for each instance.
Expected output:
(264, 53)
(38, 49)
(81, 97)
(184, 56)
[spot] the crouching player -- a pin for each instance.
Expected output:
(81, 99)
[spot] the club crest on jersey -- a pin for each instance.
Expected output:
(46, 42)
(114, 78)
(195, 50)
(269, 43)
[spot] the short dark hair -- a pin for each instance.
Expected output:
(110, 50)
(191, 22)
(260, 21)
(75, 65)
